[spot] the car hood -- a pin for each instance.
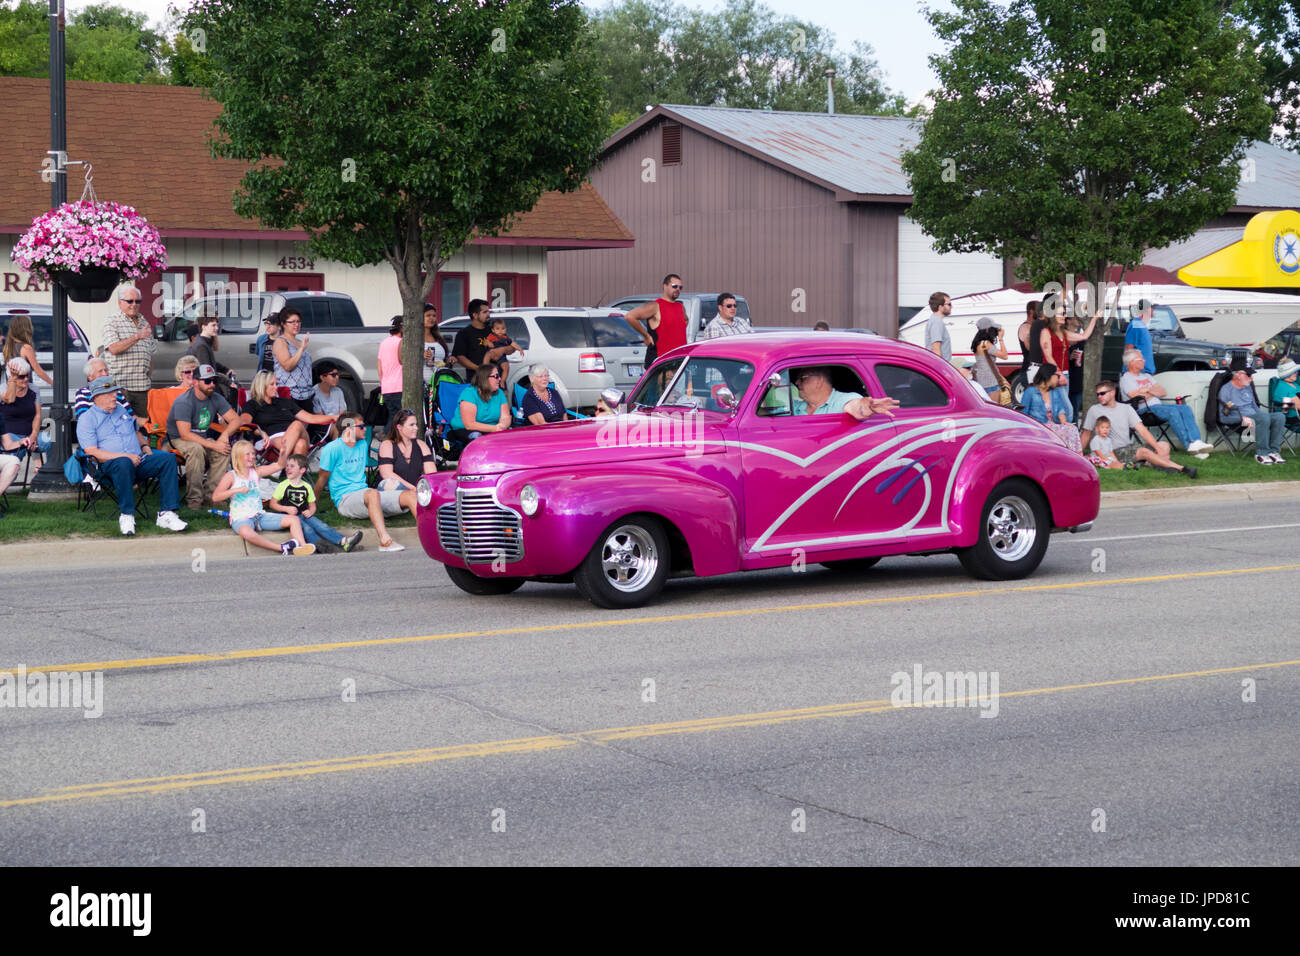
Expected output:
(612, 438)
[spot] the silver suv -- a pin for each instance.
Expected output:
(701, 308)
(338, 334)
(587, 350)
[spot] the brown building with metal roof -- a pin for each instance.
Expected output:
(805, 214)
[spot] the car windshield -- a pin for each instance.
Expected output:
(696, 385)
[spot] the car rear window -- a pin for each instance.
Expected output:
(709, 310)
(912, 388)
(315, 313)
(612, 332)
(344, 314)
(564, 331)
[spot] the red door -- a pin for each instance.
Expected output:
(295, 282)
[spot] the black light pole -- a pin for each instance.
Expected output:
(49, 481)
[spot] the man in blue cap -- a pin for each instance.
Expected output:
(108, 434)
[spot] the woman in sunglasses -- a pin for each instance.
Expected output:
(482, 407)
(20, 411)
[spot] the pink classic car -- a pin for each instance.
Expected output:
(717, 466)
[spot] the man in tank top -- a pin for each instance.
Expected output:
(664, 318)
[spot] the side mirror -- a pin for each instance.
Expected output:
(725, 398)
(252, 348)
(613, 399)
(160, 331)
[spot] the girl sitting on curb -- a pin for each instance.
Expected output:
(242, 485)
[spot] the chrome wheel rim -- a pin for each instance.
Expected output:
(629, 558)
(1011, 529)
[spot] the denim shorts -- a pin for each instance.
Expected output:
(262, 522)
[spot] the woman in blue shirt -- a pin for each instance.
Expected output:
(482, 407)
(1048, 403)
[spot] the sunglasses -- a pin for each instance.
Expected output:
(188, 371)
(131, 301)
(494, 378)
(21, 378)
(1104, 392)
(330, 375)
(674, 287)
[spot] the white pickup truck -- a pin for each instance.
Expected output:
(338, 335)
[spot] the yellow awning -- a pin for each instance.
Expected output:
(1266, 257)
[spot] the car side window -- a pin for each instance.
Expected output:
(912, 387)
(612, 332)
(517, 329)
(781, 396)
(563, 331)
(315, 314)
(344, 314)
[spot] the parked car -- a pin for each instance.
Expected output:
(43, 340)
(701, 308)
(710, 472)
(1284, 345)
(337, 334)
(587, 350)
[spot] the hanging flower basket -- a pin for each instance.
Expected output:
(88, 285)
(88, 247)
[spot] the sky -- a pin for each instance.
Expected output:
(896, 29)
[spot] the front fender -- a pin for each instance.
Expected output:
(578, 505)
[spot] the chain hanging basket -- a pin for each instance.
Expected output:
(88, 247)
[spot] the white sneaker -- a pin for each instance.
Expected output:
(392, 546)
(1199, 446)
(171, 521)
(1264, 459)
(1277, 459)
(126, 524)
(1202, 454)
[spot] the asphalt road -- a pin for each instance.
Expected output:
(1148, 686)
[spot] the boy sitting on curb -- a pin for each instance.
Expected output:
(242, 485)
(293, 496)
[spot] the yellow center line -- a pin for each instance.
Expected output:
(549, 742)
(294, 649)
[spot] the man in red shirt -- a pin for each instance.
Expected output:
(665, 321)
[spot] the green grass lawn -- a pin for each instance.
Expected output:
(1219, 469)
(33, 521)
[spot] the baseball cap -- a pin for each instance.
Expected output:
(205, 373)
(986, 323)
(959, 362)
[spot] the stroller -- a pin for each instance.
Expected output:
(440, 397)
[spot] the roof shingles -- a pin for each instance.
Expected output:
(149, 147)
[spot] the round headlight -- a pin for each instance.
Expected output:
(529, 500)
(423, 493)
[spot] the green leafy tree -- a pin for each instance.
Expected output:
(113, 45)
(25, 39)
(1074, 139)
(1276, 27)
(395, 130)
(745, 55)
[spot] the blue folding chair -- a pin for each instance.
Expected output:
(517, 406)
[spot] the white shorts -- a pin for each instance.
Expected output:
(354, 505)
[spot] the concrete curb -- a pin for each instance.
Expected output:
(224, 546)
(1242, 491)
(169, 550)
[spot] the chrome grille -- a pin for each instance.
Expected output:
(480, 530)
(448, 532)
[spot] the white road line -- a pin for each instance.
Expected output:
(1176, 534)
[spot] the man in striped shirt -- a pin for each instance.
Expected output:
(128, 345)
(726, 322)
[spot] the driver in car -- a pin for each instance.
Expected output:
(818, 397)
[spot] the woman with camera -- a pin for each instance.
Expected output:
(987, 345)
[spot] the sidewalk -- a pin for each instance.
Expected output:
(224, 546)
